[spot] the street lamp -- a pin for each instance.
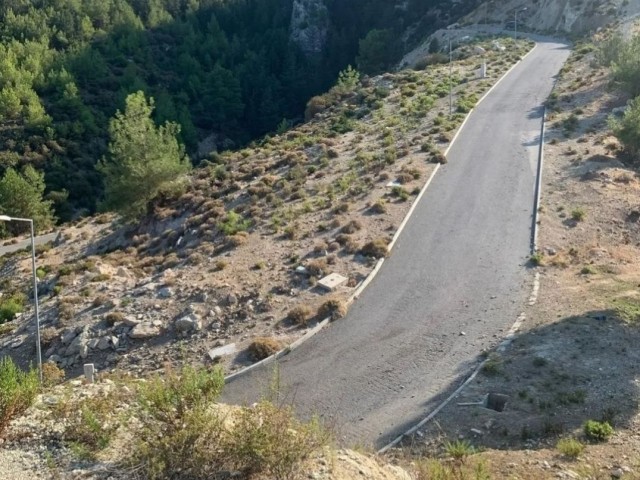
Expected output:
(515, 23)
(6, 218)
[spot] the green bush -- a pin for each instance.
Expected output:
(233, 224)
(9, 308)
(597, 431)
(627, 129)
(626, 67)
(570, 447)
(18, 390)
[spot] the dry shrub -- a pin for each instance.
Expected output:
(351, 227)
(300, 315)
(333, 308)
(377, 248)
(237, 240)
(52, 374)
(379, 207)
(317, 268)
(268, 441)
(99, 301)
(342, 208)
(439, 158)
(48, 336)
(113, 318)
(264, 347)
(404, 178)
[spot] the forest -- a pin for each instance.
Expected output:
(220, 69)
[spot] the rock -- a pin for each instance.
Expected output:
(68, 337)
(123, 273)
(104, 343)
(479, 50)
(93, 343)
(617, 473)
(144, 330)
(165, 292)
(130, 321)
(232, 299)
(115, 341)
(188, 323)
(54, 359)
(216, 353)
(79, 345)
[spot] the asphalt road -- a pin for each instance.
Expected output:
(41, 240)
(454, 284)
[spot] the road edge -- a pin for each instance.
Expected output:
(355, 295)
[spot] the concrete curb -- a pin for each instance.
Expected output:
(321, 325)
(538, 190)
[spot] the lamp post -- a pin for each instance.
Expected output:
(515, 23)
(6, 218)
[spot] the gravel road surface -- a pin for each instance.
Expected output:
(453, 286)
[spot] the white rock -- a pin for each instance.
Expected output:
(144, 330)
(188, 323)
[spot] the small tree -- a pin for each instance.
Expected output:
(142, 157)
(626, 67)
(21, 196)
(348, 80)
(627, 129)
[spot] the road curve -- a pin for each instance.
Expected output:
(454, 284)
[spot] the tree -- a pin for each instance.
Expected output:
(21, 196)
(141, 159)
(378, 51)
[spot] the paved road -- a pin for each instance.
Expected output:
(457, 267)
(41, 240)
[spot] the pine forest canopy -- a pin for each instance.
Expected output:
(223, 67)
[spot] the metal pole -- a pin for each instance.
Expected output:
(515, 26)
(450, 80)
(35, 298)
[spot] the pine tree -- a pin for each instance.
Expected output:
(21, 196)
(142, 157)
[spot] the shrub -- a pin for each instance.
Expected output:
(597, 431)
(9, 308)
(233, 224)
(627, 129)
(459, 449)
(264, 347)
(439, 158)
(570, 447)
(578, 214)
(334, 308)
(351, 227)
(18, 390)
(537, 259)
(101, 277)
(300, 315)
(52, 374)
(268, 440)
(377, 248)
(379, 206)
(114, 317)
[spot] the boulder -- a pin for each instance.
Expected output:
(130, 321)
(188, 323)
(79, 345)
(144, 330)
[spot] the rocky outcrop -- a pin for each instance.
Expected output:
(309, 25)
